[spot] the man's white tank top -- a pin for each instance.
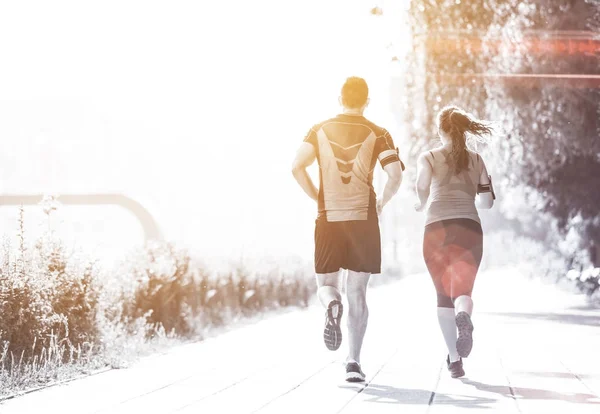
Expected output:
(452, 196)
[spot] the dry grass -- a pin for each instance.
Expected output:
(64, 316)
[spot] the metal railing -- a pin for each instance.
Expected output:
(147, 221)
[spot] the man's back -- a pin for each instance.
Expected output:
(347, 148)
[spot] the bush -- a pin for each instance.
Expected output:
(533, 257)
(162, 285)
(43, 296)
(587, 280)
(63, 315)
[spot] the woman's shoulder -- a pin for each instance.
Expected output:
(477, 158)
(473, 153)
(432, 151)
(476, 154)
(427, 155)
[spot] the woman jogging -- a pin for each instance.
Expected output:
(451, 176)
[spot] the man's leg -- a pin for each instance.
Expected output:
(329, 295)
(358, 312)
(362, 260)
(328, 287)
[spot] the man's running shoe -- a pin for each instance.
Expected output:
(455, 368)
(464, 343)
(354, 373)
(332, 333)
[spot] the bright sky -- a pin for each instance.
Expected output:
(193, 107)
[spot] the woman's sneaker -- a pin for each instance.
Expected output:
(354, 373)
(455, 368)
(332, 334)
(464, 343)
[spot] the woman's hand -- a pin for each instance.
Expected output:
(379, 205)
(423, 184)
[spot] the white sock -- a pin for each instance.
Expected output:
(463, 303)
(448, 326)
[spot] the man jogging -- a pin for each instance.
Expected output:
(347, 147)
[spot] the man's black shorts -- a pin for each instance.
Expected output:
(353, 245)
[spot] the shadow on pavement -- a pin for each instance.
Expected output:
(565, 375)
(587, 307)
(521, 393)
(385, 394)
(572, 319)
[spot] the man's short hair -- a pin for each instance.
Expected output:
(355, 92)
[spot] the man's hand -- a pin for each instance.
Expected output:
(304, 157)
(419, 206)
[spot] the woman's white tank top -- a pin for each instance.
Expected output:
(452, 195)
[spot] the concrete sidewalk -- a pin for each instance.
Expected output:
(536, 350)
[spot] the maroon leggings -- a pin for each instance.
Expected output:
(452, 250)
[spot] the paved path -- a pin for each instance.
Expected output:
(537, 350)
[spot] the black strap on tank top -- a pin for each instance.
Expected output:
(430, 164)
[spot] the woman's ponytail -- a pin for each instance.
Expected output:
(456, 123)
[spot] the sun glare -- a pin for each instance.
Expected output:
(190, 107)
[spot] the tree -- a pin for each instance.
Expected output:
(549, 151)
(553, 142)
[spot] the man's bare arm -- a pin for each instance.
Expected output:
(394, 179)
(305, 156)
